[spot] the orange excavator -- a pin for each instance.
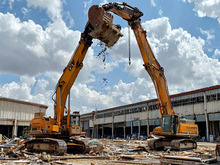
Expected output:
(179, 134)
(57, 135)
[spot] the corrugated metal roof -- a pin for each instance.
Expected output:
(22, 102)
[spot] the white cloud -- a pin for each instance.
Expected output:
(207, 33)
(68, 17)
(28, 46)
(216, 54)
(22, 91)
(209, 37)
(32, 51)
(183, 58)
(87, 6)
(53, 7)
(186, 65)
(120, 94)
(10, 3)
(158, 28)
(41, 55)
(132, 92)
(25, 11)
(83, 97)
(160, 12)
(19, 90)
(153, 3)
(209, 8)
(103, 2)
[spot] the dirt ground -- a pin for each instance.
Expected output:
(112, 152)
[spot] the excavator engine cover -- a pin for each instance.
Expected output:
(104, 29)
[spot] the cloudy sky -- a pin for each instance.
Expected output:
(38, 37)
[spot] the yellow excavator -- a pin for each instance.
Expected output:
(179, 134)
(56, 135)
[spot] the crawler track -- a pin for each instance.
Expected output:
(183, 144)
(175, 144)
(48, 145)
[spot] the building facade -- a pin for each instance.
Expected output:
(202, 105)
(15, 115)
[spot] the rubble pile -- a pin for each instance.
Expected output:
(110, 151)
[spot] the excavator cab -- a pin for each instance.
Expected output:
(75, 128)
(170, 124)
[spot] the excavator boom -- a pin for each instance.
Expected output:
(69, 75)
(109, 34)
(152, 66)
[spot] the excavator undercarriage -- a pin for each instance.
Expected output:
(174, 144)
(55, 146)
(49, 145)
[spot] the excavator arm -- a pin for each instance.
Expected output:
(132, 16)
(109, 34)
(69, 75)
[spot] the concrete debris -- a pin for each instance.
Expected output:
(113, 151)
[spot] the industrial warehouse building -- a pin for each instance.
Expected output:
(202, 105)
(15, 115)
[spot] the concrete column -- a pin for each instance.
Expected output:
(210, 128)
(9, 131)
(88, 132)
(131, 127)
(82, 124)
(206, 117)
(94, 134)
(15, 128)
(213, 128)
(124, 125)
(102, 130)
(93, 129)
(216, 129)
(113, 129)
(125, 130)
(148, 120)
(88, 129)
(103, 126)
(112, 124)
(139, 129)
(97, 134)
(219, 128)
